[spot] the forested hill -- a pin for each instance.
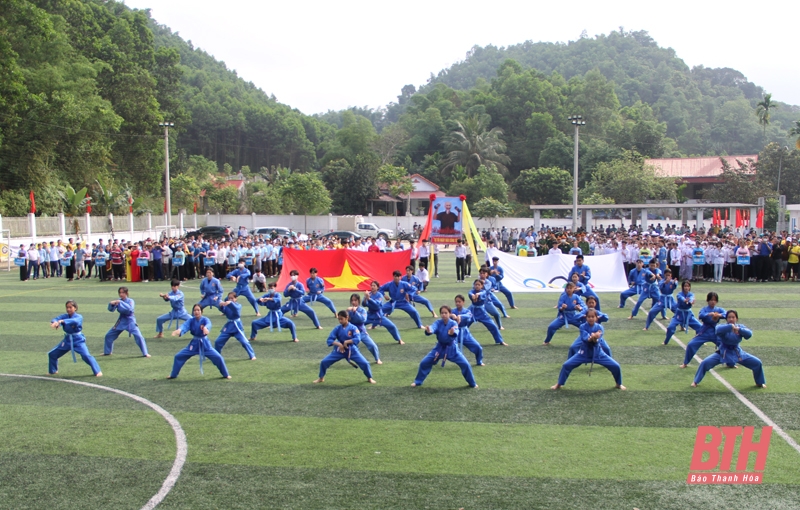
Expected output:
(695, 104)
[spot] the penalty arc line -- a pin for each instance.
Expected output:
(180, 435)
(744, 400)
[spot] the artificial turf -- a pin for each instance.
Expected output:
(269, 438)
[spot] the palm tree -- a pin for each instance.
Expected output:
(795, 131)
(763, 109)
(471, 146)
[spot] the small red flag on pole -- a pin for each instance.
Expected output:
(130, 204)
(726, 217)
(33, 204)
(195, 207)
(88, 204)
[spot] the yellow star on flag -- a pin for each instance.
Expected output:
(346, 280)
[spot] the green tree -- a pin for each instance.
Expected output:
(489, 209)
(398, 181)
(472, 145)
(185, 191)
(795, 131)
(739, 184)
(224, 199)
(764, 109)
(74, 201)
(630, 181)
(306, 194)
(543, 186)
(352, 186)
(486, 183)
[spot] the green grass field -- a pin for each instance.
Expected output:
(269, 438)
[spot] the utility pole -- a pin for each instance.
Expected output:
(781, 212)
(168, 214)
(577, 121)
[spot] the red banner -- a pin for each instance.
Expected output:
(33, 204)
(345, 270)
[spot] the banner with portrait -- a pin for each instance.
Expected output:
(447, 222)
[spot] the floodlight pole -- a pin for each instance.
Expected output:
(166, 126)
(577, 121)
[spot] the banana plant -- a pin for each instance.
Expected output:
(106, 199)
(74, 201)
(130, 203)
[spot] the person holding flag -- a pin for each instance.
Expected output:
(74, 341)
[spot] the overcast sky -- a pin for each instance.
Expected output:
(318, 56)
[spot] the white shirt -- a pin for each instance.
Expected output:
(424, 251)
(460, 251)
(422, 274)
(33, 255)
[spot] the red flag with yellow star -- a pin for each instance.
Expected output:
(345, 270)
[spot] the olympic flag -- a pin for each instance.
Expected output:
(548, 273)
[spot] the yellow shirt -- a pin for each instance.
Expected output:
(794, 255)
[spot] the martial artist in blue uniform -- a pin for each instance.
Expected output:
(662, 258)
(591, 302)
(316, 286)
(416, 287)
(590, 352)
(709, 316)
(373, 301)
(666, 300)
(398, 298)
(357, 316)
(177, 312)
(242, 277)
(584, 273)
(199, 327)
(234, 327)
(479, 298)
(73, 341)
(344, 339)
(464, 319)
(274, 317)
(210, 290)
(635, 282)
(684, 317)
(729, 336)
(498, 274)
(571, 308)
(126, 322)
(295, 292)
(446, 331)
(492, 302)
(652, 279)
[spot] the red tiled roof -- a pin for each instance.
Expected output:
(418, 176)
(417, 195)
(691, 168)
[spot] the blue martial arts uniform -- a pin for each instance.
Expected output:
(316, 288)
(662, 259)
(584, 273)
(666, 301)
(233, 328)
(359, 319)
(199, 346)
(274, 317)
(636, 282)
(126, 322)
(493, 304)
(706, 333)
(652, 278)
(498, 274)
(590, 352)
(570, 315)
(351, 353)
(376, 317)
(243, 287)
(177, 313)
(211, 292)
(730, 353)
(73, 341)
(414, 295)
(683, 316)
(480, 314)
(446, 348)
(398, 293)
(465, 338)
(576, 345)
(296, 304)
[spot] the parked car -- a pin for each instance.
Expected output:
(267, 231)
(210, 232)
(343, 235)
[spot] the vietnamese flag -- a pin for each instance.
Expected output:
(344, 270)
(760, 219)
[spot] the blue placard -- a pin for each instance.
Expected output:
(19, 261)
(100, 259)
(66, 262)
(208, 261)
(178, 261)
(698, 257)
(142, 262)
(743, 260)
(248, 261)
